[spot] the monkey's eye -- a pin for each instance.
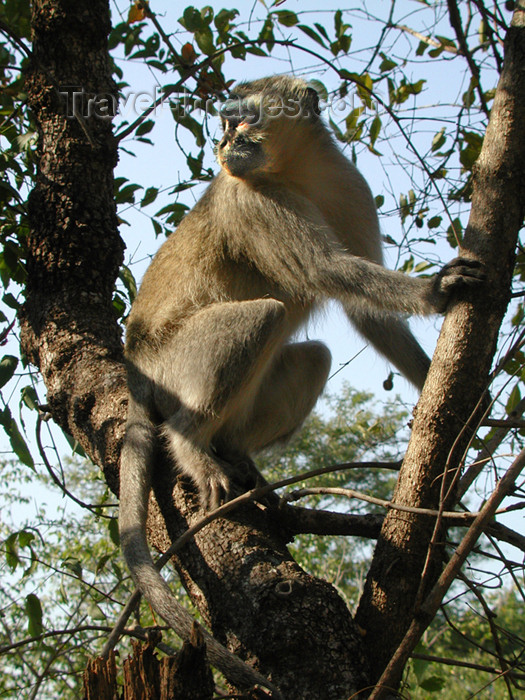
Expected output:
(237, 110)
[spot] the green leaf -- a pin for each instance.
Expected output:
(11, 552)
(438, 140)
(10, 265)
(207, 14)
(204, 39)
(74, 444)
(470, 153)
(419, 666)
(74, 565)
(156, 227)
(386, 64)
(144, 127)
(101, 563)
(266, 35)
(8, 365)
(312, 34)
(8, 190)
(126, 195)
(96, 613)
(433, 684)
(18, 443)
(455, 233)
(320, 89)
(513, 400)
(113, 531)
(191, 19)
(405, 90)
(33, 610)
(25, 538)
(28, 396)
(224, 18)
(192, 125)
(422, 266)
(337, 131)
(119, 305)
(375, 130)
(321, 30)
(287, 18)
(469, 96)
(255, 50)
(408, 265)
(338, 23)
(149, 196)
(175, 211)
(128, 280)
(339, 26)
(422, 47)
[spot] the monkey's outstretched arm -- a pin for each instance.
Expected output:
(388, 290)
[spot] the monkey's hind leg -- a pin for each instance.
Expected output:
(212, 369)
(287, 395)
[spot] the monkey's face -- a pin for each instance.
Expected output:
(262, 122)
(240, 151)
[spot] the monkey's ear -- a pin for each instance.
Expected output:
(312, 100)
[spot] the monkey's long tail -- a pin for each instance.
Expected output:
(135, 483)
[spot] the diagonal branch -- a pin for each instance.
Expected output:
(431, 605)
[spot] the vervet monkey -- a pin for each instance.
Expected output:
(287, 224)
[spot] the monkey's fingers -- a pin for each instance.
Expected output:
(214, 489)
(457, 274)
(471, 271)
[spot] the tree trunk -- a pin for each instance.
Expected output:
(74, 251)
(459, 373)
(294, 628)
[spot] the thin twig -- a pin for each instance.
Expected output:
(489, 616)
(93, 508)
(455, 21)
(352, 493)
(465, 664)
(426, 39)
(6, 29)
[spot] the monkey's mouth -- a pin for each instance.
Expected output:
(239, 156)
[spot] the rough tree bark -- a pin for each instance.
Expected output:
(459, 373)
(74, 250)
(294, 628)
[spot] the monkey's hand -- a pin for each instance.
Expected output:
(456, 274)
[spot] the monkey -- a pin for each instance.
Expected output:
(287, 223)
